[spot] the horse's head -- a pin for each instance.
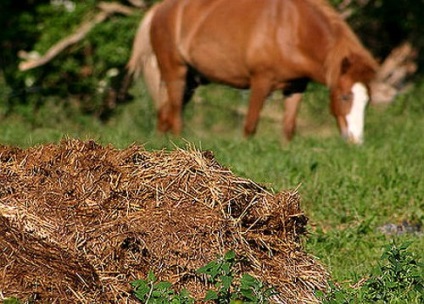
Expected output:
(349, 97)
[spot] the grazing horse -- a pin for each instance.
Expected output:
(263, 45)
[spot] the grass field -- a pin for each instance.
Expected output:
(348, 192)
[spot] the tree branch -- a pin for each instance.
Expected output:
(138, 3)
(393, 73)
(399, 64)
(107, 9)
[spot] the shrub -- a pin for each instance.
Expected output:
(88, 73)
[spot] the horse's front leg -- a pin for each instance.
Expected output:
(291, 107)
(260, 89)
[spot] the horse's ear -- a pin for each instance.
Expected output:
(345, 66)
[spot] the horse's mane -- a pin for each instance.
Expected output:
(345, 43)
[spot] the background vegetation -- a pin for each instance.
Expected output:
(358, 199)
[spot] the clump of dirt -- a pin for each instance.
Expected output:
(80, 221)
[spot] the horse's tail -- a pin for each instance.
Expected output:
(143, 60)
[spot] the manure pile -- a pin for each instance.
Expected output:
(79, 221)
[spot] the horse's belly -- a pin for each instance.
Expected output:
(219, 67)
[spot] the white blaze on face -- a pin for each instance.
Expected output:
(355, 119)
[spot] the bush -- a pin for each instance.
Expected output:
(88, 73)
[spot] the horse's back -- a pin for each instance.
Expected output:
(232, 41)
(225, 40)
(229, 41)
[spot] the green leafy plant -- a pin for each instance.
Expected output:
(152, 291)
(399, 278)
(254, 291)
(337, 295)
(220, 273)
(229, 289)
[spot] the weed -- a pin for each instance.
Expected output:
(398, 278)
(220, 273)
(228, 289)
(151, 291)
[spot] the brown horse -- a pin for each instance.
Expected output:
(263, 45)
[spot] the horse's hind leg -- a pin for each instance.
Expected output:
(291, 107)
(260, 89)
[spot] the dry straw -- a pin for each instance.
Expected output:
(79, 221)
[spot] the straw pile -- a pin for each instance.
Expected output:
(79, 221)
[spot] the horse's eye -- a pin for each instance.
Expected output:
(346, 97)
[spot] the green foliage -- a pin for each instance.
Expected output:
(229, 289)
(88, 69)
(150, 291)
(399, 278)
(88, 73)
(11, 301)
(17, 19)
(220, 273)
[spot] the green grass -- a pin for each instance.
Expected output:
(347, 191)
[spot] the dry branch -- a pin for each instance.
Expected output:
(398, 65)
(107, 9)
(393, 72)
(138, 3)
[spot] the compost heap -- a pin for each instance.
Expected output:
(80, 221)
